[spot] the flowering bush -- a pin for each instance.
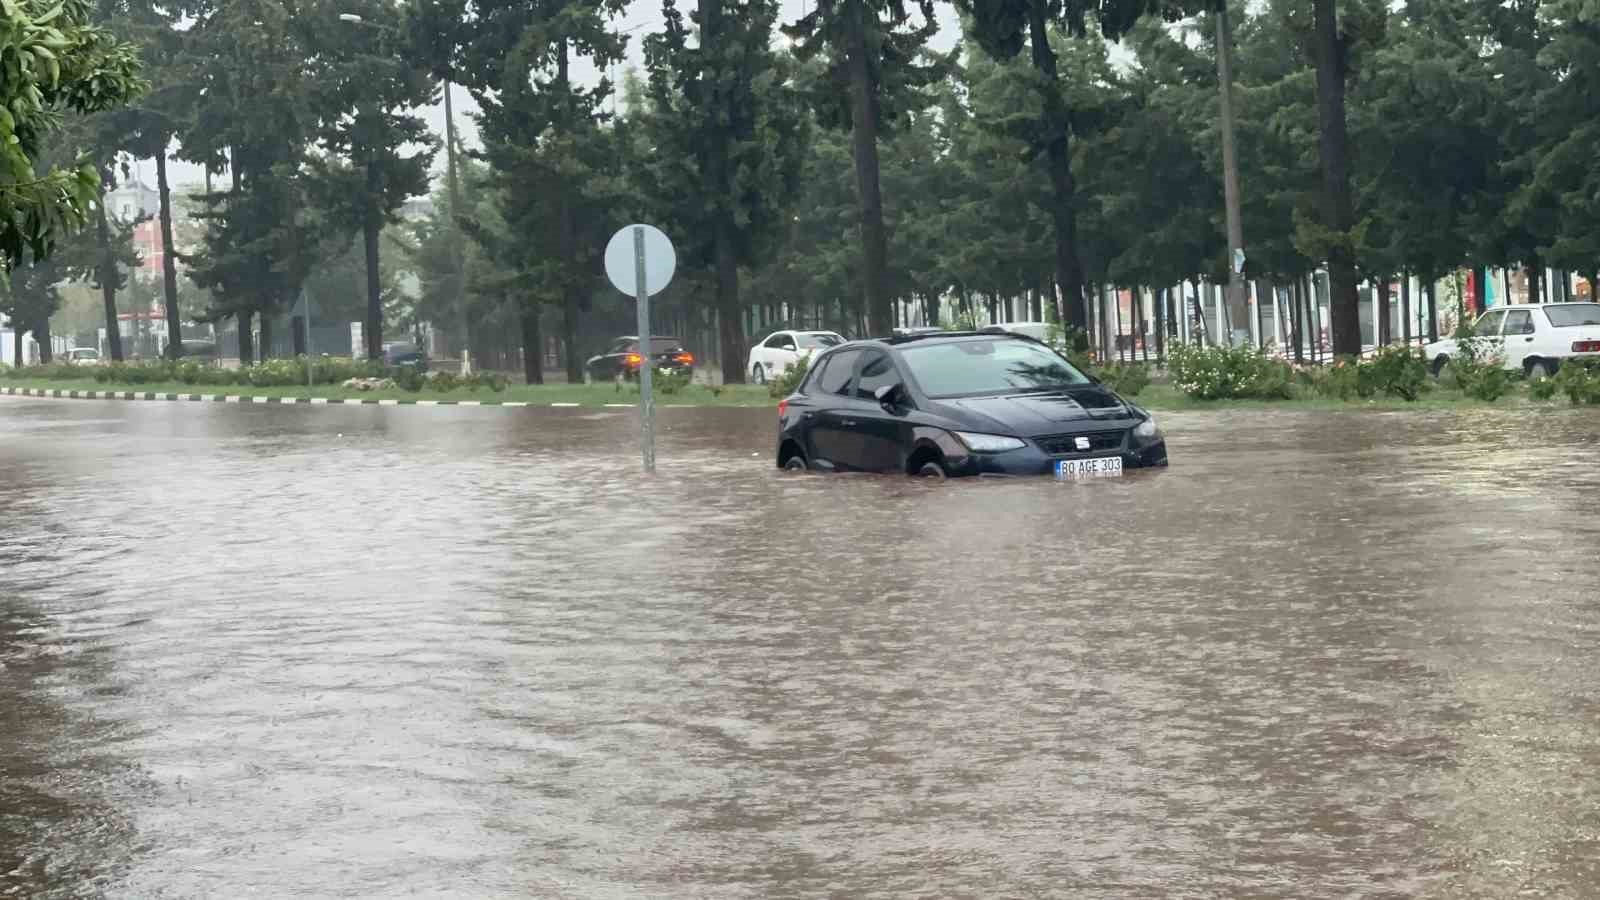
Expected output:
(1217, 373)
(1398, 370)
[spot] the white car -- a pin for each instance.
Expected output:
(1531, 339)
(782, 349)
(82, 356)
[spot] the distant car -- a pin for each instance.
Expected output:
(961, 404)
(782, 349)
(397, 355)
(623, 359)
(1531, 339)
(200, 351)
(81, 356)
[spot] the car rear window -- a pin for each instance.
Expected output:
(1573, 316)
(664, 344)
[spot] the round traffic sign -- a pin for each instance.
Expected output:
(622, 260)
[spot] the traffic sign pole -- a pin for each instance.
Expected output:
(647, 412)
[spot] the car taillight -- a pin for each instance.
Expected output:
(1586, 346)
(633, 360)
(783, 407)
(685, 358)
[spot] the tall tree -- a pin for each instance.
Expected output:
(875, 71)
(540, 130)
(365, 86)
(728, 137)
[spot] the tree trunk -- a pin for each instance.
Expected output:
(16, 343)
(1535, 271)
(731, 343)
(1433, 313)
(1161, 325)
(41, 333)
(1333, 153)
(1230, 164)
(1405, 308)
(1058, 161)
(864, 131)
(1296, 321)
(247, 344)
(265, 350)
(532, 345)
(169, 265)
(370, 227)
(1381, 334)
(108, 276)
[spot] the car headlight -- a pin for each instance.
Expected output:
(1147, 431)
(988, 443)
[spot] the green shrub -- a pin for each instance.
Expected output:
(1398, 371)
(1579, 379)
(54, 371)
(409, 378)
(669, 382)
(788, 381)
(1216, 373)
(1339, 380)
(1543, 388)
(443, 382)
(1128, 379)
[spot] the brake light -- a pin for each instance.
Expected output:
(1586, 346)
(686, 358)
(632, 360)
(783, 407)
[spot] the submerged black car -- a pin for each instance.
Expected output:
(961, 404)
(623, 358)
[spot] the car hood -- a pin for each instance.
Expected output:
(1033, 414)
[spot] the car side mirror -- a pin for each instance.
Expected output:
(890, 395)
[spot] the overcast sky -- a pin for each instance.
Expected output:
(642, 15)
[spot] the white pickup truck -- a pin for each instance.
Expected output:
(1531, 339)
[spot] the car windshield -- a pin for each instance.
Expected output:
(662, 344)
(813, 341)
(980, 368)
(1574, 315)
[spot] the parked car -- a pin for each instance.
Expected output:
(782, 349)
(1531, 339)
(622, 358)
(81, 356)
(961, 404)
(1039, 331)
(401, 354)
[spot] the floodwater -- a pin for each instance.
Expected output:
(374, 652)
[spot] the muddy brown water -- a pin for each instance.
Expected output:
(376, 652)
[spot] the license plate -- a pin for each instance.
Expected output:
(1100, 467)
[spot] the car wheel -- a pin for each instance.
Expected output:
(795, 463)
(1439, 364)
(932, 469)
(758, 374)
(1539, 369)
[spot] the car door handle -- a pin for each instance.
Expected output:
(1528, 339)
(847, 423)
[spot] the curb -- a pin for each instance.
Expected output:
(237, 398)
(312, 401)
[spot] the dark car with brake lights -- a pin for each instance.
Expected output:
(956, 404)
(622, 359)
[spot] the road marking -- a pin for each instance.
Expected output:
(388, 402)
(566, 405)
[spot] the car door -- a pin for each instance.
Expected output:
(781, 353)
(1487, 333)
(829, 435)
(883, 435)
(1517, 337)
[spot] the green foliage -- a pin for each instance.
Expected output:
(1543, 388)
(1578, 379)
(788, 381)
(1476, 369)
(1343, 379)
(1127, 379)
(1219, 373)
(669, 382)
(1397, 371)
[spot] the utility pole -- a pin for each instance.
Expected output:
(1230, 161)
(459, 281)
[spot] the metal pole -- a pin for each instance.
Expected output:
(458, 281)
(311, 381)
(647, 413)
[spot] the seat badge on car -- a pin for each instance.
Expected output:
(1082, 443)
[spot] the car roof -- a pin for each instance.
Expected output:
(937, 337)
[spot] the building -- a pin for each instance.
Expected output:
(131, 200)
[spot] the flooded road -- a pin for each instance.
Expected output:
(376, 652)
